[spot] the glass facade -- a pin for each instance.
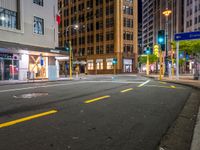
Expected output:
(8, 18)
(38, 65)
(9, 67)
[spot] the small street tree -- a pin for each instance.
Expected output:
(193, 49)
(152, 58)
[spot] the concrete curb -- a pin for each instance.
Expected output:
(196, 136)
(30, 82)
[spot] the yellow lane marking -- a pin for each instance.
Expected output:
(169, 87)
(96, 99)
(173, 87)
(163, 82)
(27, 118)
(126, 90)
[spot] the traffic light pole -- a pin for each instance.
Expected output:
(161, 65)
(147, 66)
(70, 60)
(166, 49)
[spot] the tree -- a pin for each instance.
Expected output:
(192, 48)
(152, 58)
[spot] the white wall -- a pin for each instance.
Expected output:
(23, 66)
(26, 35)
(9, 4)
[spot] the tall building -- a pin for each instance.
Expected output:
(140, 51)
(191, 15)
(108, 30)
(147, 23)
(154, 20)
(28, 37)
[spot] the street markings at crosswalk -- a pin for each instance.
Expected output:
(144, 83)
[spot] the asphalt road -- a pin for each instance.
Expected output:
(97, 113)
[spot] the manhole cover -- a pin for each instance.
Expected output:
(30, 95)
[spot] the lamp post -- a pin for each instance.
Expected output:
(70, 49)
(166, 13)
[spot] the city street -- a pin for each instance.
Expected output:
(101, 113)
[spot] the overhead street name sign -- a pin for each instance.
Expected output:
(187, 36)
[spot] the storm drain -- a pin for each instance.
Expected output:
(30, 95)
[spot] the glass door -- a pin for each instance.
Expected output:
(7, 69)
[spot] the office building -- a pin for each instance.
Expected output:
(108, 30)
(154, 20)
(191, 15)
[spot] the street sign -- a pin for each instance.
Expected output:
(187, 36)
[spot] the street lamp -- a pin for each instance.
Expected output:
(166, 13)
(76, 26)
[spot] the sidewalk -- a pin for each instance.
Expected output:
(183, 80)
(187, 81)
(12, 82)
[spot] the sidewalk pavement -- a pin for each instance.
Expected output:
(183, 80)
(13, 82)
(188, 81)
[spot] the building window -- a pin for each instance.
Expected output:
(109, 65)
(99, 63)
(38, 25)
(109, 49)
(109, 36)
(90, 65)
(128, 22)
(7, 18)
(39, 2)
(99, 50)
(128, 10)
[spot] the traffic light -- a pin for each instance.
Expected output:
(114, 61)
(161, 39)
(67, 46)
(156, 50)
(148, 51)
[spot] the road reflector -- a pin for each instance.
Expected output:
(6, 124)
(96, 99)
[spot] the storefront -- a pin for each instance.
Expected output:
(128, 65)
(38, 66)
(9, 66)
(25, 62)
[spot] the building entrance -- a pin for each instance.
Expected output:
(9, 69)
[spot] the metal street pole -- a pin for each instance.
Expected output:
(177, 60)
(166, 13)
(70, 60)
(147, 66)
(70, 51)
(160, 74)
